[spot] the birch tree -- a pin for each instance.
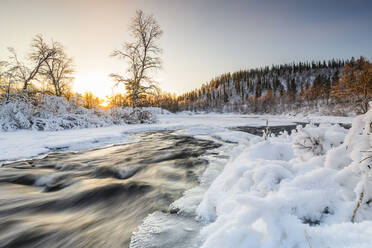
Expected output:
(58, 70)
(142, 55)
(40, 53)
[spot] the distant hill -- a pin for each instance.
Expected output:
(275, 89)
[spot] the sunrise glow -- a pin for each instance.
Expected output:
(105, 102)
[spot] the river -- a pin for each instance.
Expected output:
(96, 198)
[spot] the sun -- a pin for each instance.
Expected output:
(105, 102)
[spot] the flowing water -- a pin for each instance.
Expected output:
(276, 130)
(96, 198)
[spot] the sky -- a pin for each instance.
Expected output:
(202, 38)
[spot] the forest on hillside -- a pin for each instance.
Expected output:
(335, 87)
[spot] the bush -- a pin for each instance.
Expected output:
(52, 113)
(141, 116)
(312, 140)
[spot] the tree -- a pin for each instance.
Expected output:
(40, 53)
(268, 101)
(5, 80)
(58, 69)
(90, 100)
(142, 55)
(355, 83)
(118, 100)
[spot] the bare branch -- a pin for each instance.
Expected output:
(142, 56)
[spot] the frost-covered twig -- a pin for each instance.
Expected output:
(361, 196)
(309, 143)
(267, 130)
(307, 238)
(365, 159)
(357, 206)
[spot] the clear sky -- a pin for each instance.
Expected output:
(202, 38)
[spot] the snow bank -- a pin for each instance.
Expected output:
(24, 144)
(29, 143)
(294, 191)
(158, 111)
(51, 113)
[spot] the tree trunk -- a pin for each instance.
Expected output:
(365, 98)
(134, 99)
(25, 85)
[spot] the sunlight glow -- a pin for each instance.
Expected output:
(105, 103)
(99, 84)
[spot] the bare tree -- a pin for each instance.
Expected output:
(3, 70)
(142, 55)
(4, 80)
(58, 69)
(39, 54)
(7, 81)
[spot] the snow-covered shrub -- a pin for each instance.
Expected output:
(119, 115)
(130, 116)
(141, 116)
(15, 115)
(52, 113)
(312, 140)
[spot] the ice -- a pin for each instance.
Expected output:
(167, 231)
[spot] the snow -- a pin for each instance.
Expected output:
(275, 194)
(290, 191)
(22, 144)
(52, 113)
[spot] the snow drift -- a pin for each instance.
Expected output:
(298, 190)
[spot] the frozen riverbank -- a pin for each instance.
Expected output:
(23, 144)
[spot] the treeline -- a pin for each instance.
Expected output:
(277, 89)
(160, 99)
